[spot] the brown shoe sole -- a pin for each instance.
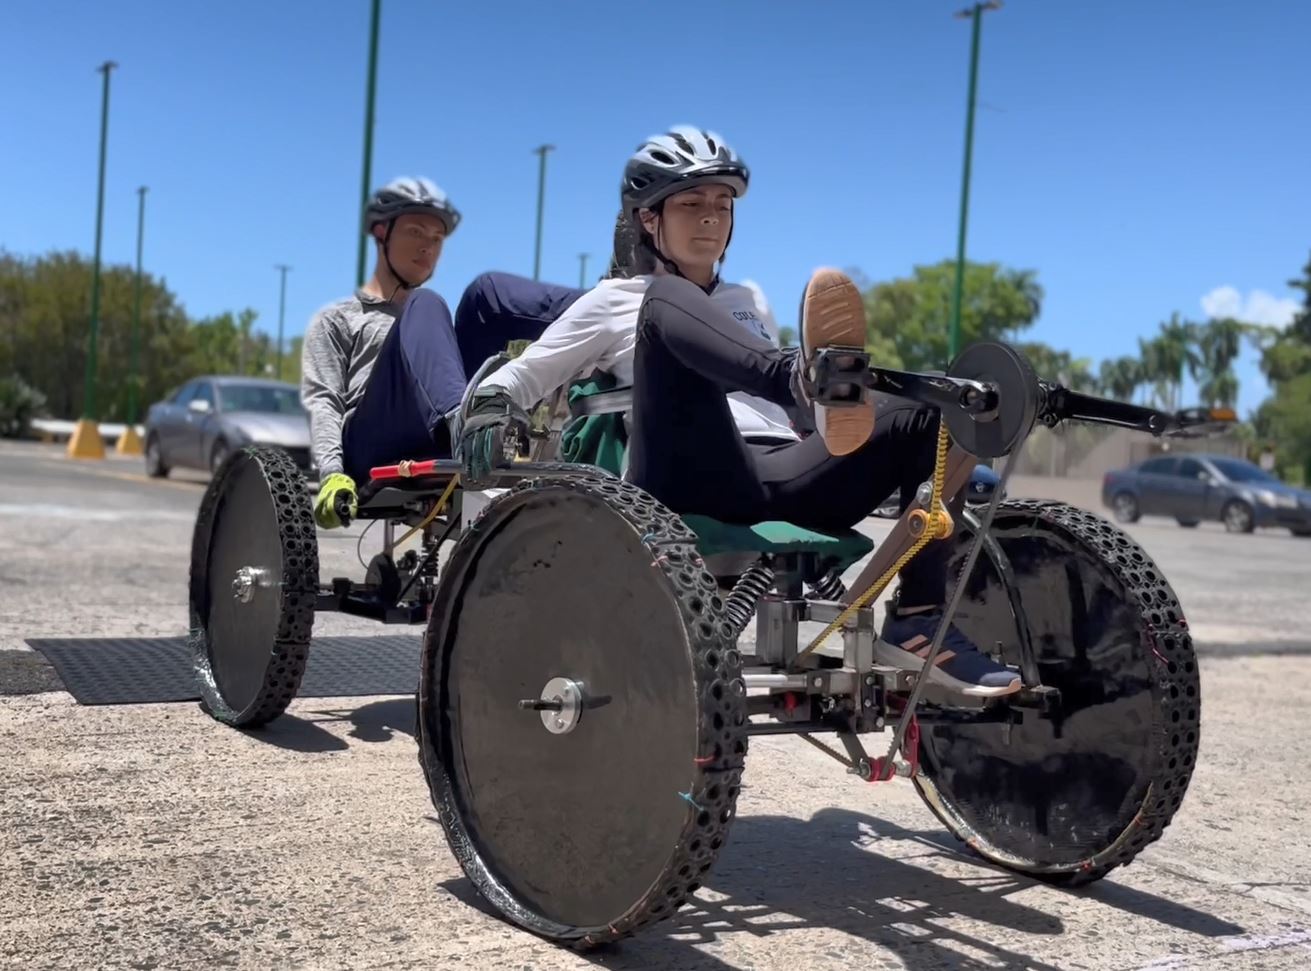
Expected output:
(833, 315)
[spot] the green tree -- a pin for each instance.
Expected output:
(1218, 344)
(1285, 417)
(45, 320)
(1166, 357)
(1055, 365)
(909, 317)
(1120, 377)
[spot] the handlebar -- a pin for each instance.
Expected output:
(341, 505)
(1059, 404)
(1055, 403)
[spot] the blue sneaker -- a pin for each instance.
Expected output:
(905, 642)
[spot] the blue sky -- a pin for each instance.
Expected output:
(1142, 158)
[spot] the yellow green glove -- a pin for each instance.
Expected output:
(325, 506)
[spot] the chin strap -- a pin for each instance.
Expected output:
(653, 245)
(386, 255)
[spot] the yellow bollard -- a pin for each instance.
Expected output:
(86, 442)
(129, 443)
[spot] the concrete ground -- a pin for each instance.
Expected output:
(152, 837)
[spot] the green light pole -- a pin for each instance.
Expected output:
(582, 271)
(129, 443)
(975, 13)
(368, 132)
(136, 311)
(85, 441)
(541, 150)
(282, 311)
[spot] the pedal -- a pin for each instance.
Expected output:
(837, 376)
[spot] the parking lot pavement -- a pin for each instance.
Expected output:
(151, 837)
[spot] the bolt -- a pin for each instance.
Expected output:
(869, 679)
(818, 681)
(868, 703)
(878, 722)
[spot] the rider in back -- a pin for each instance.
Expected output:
(381, 369)
(682, 335)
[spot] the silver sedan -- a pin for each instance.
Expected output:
(200, 424)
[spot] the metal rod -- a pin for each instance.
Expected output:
(783, 728)
(582, 271)
(909, 712)
(775, 680)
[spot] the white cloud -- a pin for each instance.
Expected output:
(1258, 307)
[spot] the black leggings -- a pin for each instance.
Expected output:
(686, 450)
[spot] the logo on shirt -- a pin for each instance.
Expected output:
(749, 318)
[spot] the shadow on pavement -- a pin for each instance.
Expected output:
(377, 721)
(297, 734)
(779, 873)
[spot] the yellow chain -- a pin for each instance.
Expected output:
(938, 526)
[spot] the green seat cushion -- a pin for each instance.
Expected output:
(847, 546)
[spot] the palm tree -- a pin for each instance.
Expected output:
(1218, 344)
(1166, 356)
(1120, 377)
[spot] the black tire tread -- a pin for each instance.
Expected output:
(672, 547)
(1176, 692)
(289, 653)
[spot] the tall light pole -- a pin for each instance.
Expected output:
(282, 311)
(541, 150)
(582, 271)
(129, 443)
(974, 12)
(86, 442)
(368, 134)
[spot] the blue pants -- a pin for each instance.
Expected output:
(497, 308)
(427, 358)
(415, 381)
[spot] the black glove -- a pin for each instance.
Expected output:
(495, 431)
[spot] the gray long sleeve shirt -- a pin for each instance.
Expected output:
(340, 349)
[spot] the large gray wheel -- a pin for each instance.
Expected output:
(254, 582)
(582, 716)
(1068, 799)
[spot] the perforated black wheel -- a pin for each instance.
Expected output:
(586, 824)
(254, 581)
(1067, 800)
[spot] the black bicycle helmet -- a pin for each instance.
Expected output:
(410, 195)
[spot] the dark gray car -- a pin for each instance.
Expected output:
(202, 422)
(1193, 488)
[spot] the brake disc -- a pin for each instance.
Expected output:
(1000, 432)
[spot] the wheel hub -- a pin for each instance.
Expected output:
(560, 704)
(245, 582)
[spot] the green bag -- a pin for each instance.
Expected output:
(600, 440)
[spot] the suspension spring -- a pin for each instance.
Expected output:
(829, 587)
(740, 604)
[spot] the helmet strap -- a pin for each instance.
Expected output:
(402, 283)
(653, 244)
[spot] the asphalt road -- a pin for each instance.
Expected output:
(152, 837)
